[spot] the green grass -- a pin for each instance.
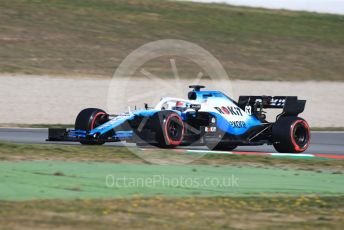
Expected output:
(28, 180)
(23, 152)
(91, 37)
(177, 213)
(79, 171)
(15, 152)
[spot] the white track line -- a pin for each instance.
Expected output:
(292, 154)
(239, 153)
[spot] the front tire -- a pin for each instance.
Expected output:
(291, 135)
(89, 119)
(169, 129)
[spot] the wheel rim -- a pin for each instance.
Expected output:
(300, 135)
(174, 130)
(97, 120)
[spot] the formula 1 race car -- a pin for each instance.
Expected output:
(208, 118)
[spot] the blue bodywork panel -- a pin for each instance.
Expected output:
(224, 123)
(221, 122)
(117, 121)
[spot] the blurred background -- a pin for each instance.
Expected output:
(57, 57)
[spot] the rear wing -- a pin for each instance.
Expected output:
(290, 104)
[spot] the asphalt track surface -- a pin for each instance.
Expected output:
(321, 142)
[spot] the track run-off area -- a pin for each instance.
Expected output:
(323, 144)
(53, 174)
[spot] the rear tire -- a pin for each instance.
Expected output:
(89, 119)
(291, 135)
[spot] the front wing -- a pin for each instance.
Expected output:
(70, 135)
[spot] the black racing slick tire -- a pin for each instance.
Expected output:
(291, 135)
(169, 129)
(89, 119)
